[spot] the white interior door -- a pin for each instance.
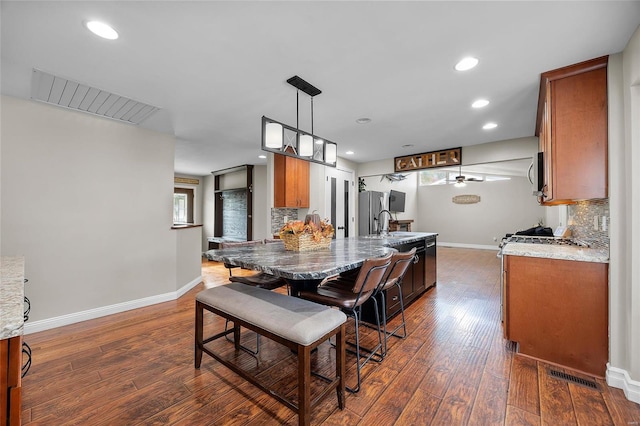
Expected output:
(340, 202)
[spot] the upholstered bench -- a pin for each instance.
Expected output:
(298, 324)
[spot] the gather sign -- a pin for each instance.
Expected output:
(428, 160)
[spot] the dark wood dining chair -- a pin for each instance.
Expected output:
(349, 296)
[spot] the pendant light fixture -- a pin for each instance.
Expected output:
(282, 139)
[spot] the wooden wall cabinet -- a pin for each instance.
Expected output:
(572, 129)
(557, 311)
(291, 182)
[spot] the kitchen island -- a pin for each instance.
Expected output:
(306, 270)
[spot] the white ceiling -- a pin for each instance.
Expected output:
(214, 68)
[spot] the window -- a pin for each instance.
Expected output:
(182, 205)
(445, 176)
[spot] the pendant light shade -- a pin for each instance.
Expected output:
(331, 152)
(306, 146)
(273, 135)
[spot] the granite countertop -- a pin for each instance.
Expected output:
(343, 255)
(577, 253)
(11, 297)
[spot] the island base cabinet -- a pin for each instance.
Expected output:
(420, 276)
(557, 311)
(10, 381)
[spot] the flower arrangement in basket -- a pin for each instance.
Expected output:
(312, 234)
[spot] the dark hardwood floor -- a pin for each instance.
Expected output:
(453, 368)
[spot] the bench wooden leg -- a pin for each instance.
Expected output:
(199, 335)
(304, 385)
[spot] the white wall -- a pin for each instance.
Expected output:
(624, 197)
(188, 257)
(505, 207)
(87, 201)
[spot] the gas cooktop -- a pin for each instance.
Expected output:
(545, 240)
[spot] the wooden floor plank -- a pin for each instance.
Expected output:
(523, 386)
(454, 367)
(519, 417)
(491, 402)
(556, 404)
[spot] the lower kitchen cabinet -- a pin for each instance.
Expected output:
(10, 381)
(420, 277)
(557, 311)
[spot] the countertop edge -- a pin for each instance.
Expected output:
(579, 254)
(11, 297)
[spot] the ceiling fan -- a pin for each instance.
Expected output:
(461, 179)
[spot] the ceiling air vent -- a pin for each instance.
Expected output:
(80, 97)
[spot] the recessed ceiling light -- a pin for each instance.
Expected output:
(466, 63)
(262, 156)
(489, 126)
(363, 120)
(480, 103)
(102, 30)
(349, 152)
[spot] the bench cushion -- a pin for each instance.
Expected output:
(291, 318)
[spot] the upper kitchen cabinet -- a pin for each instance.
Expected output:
(291, 182)
(572, 127)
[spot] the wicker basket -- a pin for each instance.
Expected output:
(304, 242)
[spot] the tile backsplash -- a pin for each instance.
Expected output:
(589, 221)
(234, 214)
(278, 216)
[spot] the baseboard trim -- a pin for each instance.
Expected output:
(49, 323)
(619, 378)
(470, 246)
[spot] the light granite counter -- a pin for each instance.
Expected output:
(11, 297)
(562, 252)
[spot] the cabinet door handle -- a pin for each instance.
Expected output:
(416, 259)
(431, 245)
(394, 298)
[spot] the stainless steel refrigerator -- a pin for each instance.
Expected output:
(370, 204)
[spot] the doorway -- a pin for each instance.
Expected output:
(340, 201)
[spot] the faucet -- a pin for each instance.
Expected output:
(378, 223)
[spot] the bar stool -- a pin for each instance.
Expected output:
(349, 296)
(395, 273)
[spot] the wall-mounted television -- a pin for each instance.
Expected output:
(396, 201)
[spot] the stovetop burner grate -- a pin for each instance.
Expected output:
(527, 239)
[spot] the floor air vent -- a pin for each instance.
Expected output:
(70, 94)
(574, 379)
